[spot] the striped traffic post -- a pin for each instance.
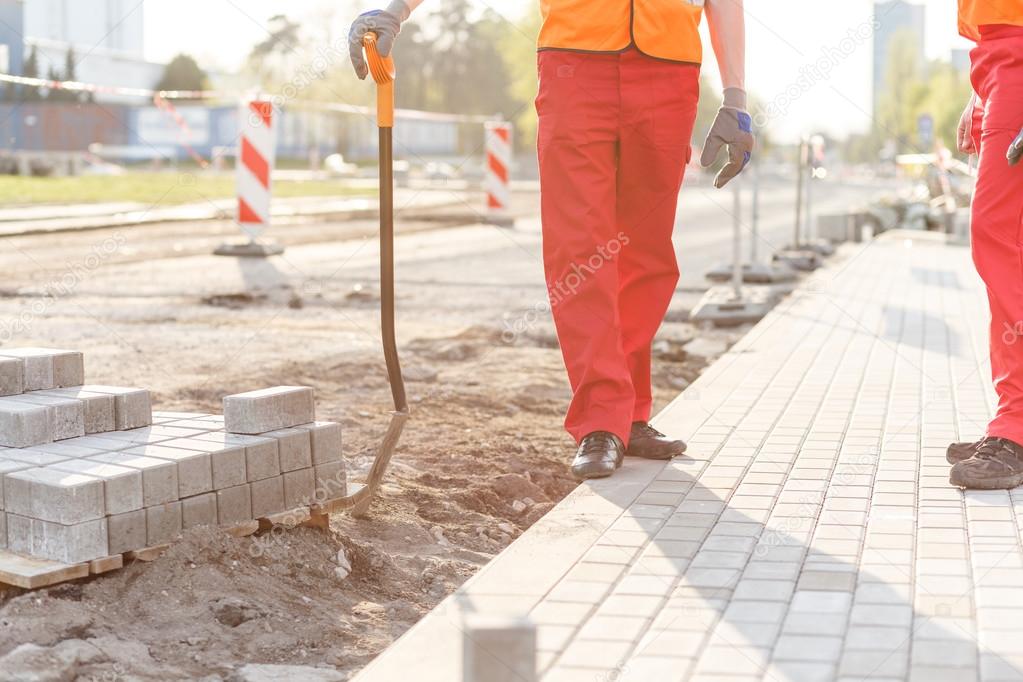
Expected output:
(253, 169)
(497, 181)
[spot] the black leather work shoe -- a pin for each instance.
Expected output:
(996, 465)
(599, 455)
(647, 442)
(958, 452)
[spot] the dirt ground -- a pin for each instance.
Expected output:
(483, 457)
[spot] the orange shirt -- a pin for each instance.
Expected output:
(975, 13)
(667, 29)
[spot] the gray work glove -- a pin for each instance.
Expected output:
(1015, 152)
(733, 127)
(386, 23)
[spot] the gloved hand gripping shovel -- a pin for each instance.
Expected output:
(382, 70)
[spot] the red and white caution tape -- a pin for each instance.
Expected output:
(78, 86)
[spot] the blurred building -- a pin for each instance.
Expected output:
(894, 17)
(106, 39)
(960, 59)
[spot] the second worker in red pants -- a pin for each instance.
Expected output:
(990, 126)
(619, 85)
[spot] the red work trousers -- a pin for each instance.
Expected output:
(613, 142)
(997, 219)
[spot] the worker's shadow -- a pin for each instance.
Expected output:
(788, 589)
(686, 581)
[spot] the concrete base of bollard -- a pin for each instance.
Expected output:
(497, 649)
(754, 273)
(248, 249)
(722, 307)
(801, 259)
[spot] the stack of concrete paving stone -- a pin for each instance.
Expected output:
(88, 472)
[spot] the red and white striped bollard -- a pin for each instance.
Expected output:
(253, 170)
(497, 182)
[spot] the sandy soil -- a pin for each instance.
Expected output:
(482, 459)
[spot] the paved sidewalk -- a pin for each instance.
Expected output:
(810, 534)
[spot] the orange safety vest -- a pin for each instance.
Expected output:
(666, 29)
(974, 13)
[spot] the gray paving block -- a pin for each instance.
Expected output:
(159, 476)
(146, 435)
(23, 424)
(52, 495)
(70, 543)
(262, 455)
(163, 523)
(126, 532)
(294, 447)
(132, 406)
(503, 649)
(99, 408)
(267, 496)
(227, 461)
(268, 409)
(33, 457)
(326, 441)
(64, 449)
(19, 533)
(12, 376)
(299, 488)
(8, 467)
(195, 473)
(67, 415)
(331, 481)
(48, 367)
(66, 497)
(122, 486)
(234, 505)
(98, 442)
(200, 510)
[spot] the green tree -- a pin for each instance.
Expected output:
(183, 73)
(58, 95)
(280, 54)
(903, 90)
(30, 69)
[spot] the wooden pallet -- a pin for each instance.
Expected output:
(30, 573)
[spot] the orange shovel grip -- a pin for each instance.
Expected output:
(382, 70)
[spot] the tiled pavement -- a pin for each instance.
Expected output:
(810, 534)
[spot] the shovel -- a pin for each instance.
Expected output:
(382, 69)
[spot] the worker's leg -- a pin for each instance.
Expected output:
(997, 223)
(577, 149)
(659, 101)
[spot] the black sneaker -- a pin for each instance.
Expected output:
(647, 442)
(996, 465)
(599, 455)
(958, 452)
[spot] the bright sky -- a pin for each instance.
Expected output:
(784, 37)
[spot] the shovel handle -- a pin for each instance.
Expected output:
(382, 70)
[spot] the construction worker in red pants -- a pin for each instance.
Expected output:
(991, 125)
(619, 86)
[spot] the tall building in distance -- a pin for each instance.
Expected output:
(892, 18)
